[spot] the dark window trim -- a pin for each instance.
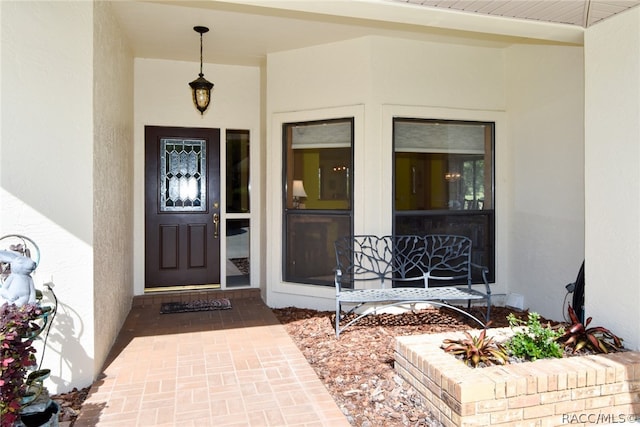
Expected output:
(444, 212)
(311, 212)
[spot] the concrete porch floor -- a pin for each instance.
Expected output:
(234, 367)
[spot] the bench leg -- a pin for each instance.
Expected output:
(488, 308)
(338, 310)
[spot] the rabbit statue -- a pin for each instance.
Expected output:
(18, 288)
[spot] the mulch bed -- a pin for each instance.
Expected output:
(70, 405)
(357, 368)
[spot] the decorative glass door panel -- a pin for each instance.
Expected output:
(183, 175)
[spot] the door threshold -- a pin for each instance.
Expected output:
(181, 288)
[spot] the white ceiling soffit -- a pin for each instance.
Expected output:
(413, 13)
(583, 13)
(244, 32)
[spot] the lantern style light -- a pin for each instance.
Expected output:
(201, 87)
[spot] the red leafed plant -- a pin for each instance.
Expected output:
(579, 336)
(18, 328)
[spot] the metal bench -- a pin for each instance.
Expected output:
(397, 270)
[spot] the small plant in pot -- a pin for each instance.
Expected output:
(17, 332)
(24, 401)
(21, 383)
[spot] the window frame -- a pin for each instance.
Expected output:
(288, 213)
(490, 212)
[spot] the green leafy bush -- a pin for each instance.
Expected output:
(534, 341)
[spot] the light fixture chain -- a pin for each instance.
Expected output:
(201, 55)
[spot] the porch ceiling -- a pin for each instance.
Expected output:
(583, 13)
(243, 32)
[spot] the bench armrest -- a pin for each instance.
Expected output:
(338, 281)
(485, 272)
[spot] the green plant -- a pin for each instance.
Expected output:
(476, 350)
(579, 336)
(534, 341)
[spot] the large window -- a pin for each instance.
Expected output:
(444, 182)
(317, 189)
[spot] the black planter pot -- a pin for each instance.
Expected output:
(46, 418)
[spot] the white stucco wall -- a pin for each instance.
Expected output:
(113, 169)
(433, 74)
(372, 79)
(612, 155)
(162, 97)
(545, 175)
(46, 152)
(321, 82)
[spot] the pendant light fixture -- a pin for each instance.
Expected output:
(201, 87)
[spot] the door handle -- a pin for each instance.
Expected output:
(216, 225)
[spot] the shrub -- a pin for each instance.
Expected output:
(597, 339)
(475, 351)
(534, 341)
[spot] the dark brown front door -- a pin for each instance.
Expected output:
(182, 206)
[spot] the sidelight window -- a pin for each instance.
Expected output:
(238, 223)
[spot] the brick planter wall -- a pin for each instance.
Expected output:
(585, 390)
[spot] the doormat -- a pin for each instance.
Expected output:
(197, 305)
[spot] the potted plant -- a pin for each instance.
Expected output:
(22, 394)
(24, 401)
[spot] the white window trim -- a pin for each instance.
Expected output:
(279, 292)
(373, 165)
(501, 152)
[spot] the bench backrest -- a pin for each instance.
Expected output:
(435, 259)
